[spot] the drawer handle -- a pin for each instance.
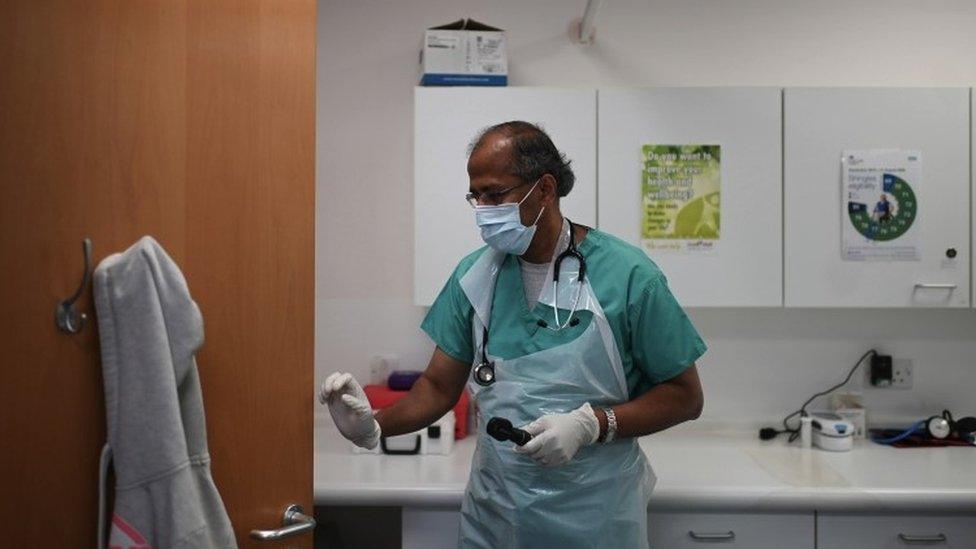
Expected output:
(711, 537)
(927, 540)
(924, 286)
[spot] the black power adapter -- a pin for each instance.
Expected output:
(881, 370)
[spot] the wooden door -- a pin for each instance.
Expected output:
(192, 121)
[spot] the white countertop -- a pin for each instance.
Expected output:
(697, 470)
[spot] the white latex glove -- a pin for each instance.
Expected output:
(350, 409)
(557, 437)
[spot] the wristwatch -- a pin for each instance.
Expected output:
(611, 426)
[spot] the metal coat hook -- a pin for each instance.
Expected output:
(68, 319)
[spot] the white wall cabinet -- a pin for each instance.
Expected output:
(819, 124)
(745, 269)
(891, 532)
(446, 119)
(752, 531)
(781, 213)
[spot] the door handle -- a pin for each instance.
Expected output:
(293, 523)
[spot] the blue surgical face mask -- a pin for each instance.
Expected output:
(501, 226)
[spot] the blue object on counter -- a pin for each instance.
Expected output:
(403, 380)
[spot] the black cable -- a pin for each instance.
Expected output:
(769, 432)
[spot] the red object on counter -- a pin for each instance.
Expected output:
(381, 396)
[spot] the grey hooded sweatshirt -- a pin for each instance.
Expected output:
(150, 329)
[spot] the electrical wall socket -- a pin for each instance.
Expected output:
(902, 373)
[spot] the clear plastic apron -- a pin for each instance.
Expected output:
(599, 498)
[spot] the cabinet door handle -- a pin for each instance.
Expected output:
(711, 537)
(924, 540)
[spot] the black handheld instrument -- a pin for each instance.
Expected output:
(501, 429)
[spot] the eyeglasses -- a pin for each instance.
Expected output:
(492, 198)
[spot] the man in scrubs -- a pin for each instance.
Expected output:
(585, 366)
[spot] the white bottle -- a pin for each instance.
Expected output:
(806, 435)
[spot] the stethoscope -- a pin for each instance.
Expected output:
(484, 371)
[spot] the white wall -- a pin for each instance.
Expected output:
(761, 362)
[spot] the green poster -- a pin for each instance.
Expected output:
(680, 198)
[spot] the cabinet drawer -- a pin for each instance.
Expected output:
(895, 531)
(753, 531)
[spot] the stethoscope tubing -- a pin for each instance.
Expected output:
(484, 372)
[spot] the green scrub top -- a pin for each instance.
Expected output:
(655, 338)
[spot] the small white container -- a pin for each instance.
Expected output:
(832, 432)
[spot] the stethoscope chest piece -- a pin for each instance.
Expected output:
(484, 373)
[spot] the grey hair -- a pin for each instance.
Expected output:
(533, 153)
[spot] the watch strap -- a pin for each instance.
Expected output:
(611, 425)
